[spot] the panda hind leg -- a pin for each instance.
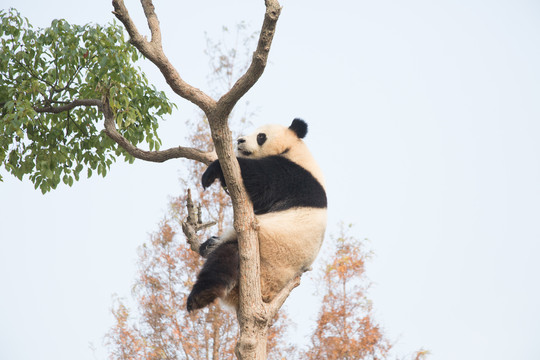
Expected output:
(217, 277)
(214, 241)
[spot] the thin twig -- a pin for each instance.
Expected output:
(193, 223)
(68, 106)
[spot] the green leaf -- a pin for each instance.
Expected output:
(56, 65)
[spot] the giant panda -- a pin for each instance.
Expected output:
(286, 187)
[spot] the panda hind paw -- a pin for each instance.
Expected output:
(199, 299)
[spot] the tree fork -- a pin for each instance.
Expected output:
(254, 316)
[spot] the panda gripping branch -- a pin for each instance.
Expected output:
(286, 187)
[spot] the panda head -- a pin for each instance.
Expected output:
(271, 140)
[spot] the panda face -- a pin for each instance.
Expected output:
(271, 140)
(266, 141)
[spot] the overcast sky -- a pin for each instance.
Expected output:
(424, 116)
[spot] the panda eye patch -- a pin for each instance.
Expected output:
(261, 139)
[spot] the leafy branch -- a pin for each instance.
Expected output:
(48, 72)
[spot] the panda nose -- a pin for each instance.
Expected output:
(241, 140)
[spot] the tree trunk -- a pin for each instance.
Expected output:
(253, 324)
(252, 344)
(254, 316)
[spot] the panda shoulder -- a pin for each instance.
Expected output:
(271, 166)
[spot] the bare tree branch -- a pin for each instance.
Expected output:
(154, 52)
(153, 22)
(154, 156)
(112, 132)
(259, 60)
(72, 105)
(274, 306)
(193, 223)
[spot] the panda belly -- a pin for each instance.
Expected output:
(291, 237)
(289, 242)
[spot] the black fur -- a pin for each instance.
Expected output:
(218, 275)
(273, 183)
(299, 126)
(208, 246)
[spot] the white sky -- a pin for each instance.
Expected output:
(424, 116)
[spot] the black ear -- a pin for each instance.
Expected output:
(299, 126)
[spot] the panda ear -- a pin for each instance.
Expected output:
(299, 126)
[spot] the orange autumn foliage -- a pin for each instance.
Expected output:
(345, 328)
(161, 328)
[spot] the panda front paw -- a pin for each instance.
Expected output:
(208, 246)
(212, 173)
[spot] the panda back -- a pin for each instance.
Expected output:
(275, 183)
